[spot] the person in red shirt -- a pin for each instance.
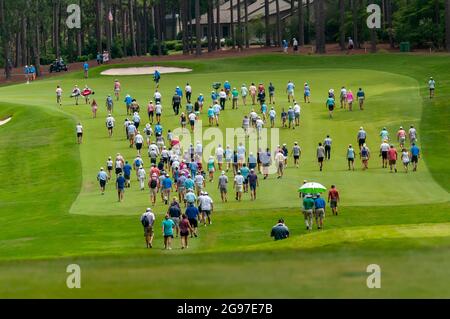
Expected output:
(392, 157)
(333, 199)
(154, 170)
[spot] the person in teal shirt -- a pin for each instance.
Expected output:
(330, 105)
(235, 94)
(245, 171)
(384, 134)
(211, 115)
(167, 227)
(361, 97)
(308, 205)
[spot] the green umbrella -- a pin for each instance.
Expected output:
(312, 188)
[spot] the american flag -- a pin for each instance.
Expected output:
(110, 16)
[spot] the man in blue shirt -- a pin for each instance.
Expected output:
(120, 186)
(86, 69)
(319, 210)
(192, 214)
(280, 230)
(179, 92)
(166, 188)
(128, 100)
(127, 173)
(415, 154)
(102, 177)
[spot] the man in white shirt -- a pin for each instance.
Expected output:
(59, 93)
(239, 185)
(412, 133)
(272, 115)
(297, 113)
(188, 91)
(280, 161)
(219, 155)
(148, 220)
(110, 123)
(343, 97)
(79, 130)
(199, 181)
(157, 96)
(241, 155)
(141, 175)
(384, 148)
(139, 141)
(206, 207)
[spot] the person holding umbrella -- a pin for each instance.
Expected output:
(308, 201)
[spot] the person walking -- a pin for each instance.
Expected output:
(185, 228)
(415, 155)
(365, 156)
(167, 229)
(148, 221)
(223, 186)
(308, 206)
(327, 144)
(319, 211)
(351, 157)
(102, 178)
(79, 130)
(392, 157)
(174, 212)
(333, 199)
(320, 155)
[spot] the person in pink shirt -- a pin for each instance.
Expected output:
(252, 90)
(94, 107)
(392, 157)
(117, 89)
(401, 137)
(350, 99)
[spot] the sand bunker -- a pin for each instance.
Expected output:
(144, 70)
(3, 122)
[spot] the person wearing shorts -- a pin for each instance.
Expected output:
(174, 212)
(415, 154)
(351, 157)
(167, 228)
(239, 185)
(384, 148)
(102, 178)
(222, 186)
(319, 211)
(308, 206)
(361, 137)
(333, 199)
(320, 155)
(148, 221)
(79, 130)
(253, 183)
(392, 157)
(192, 214)
(185, 228)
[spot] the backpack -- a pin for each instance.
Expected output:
(110, 123)
(364, 152)
(145, 222)
(153, 183)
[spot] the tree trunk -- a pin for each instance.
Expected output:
(308, 22)
(4, 33)
(37, 40)
(301, 23)
(447, 25)
(373, 40)
(355, 23)
(132, 31)
(209, 26)
(98, 14)
(266, 22)
(184, 21)
(124, 28)
(56, 29)
(218, 26)
(279, 35)
(247, 34)
(146, 25)
(198, 30)
(388, 6)
(108, 26)
(137, 19)
(232, 33)
(191, 28)
(24, 40)
(240, 34)
(342, 24)
(79, 36)
(320, 25)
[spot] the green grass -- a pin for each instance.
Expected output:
(53, 215)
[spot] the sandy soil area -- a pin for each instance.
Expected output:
(3, 122)
(144, 70)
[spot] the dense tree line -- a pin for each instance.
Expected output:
(35, 31)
